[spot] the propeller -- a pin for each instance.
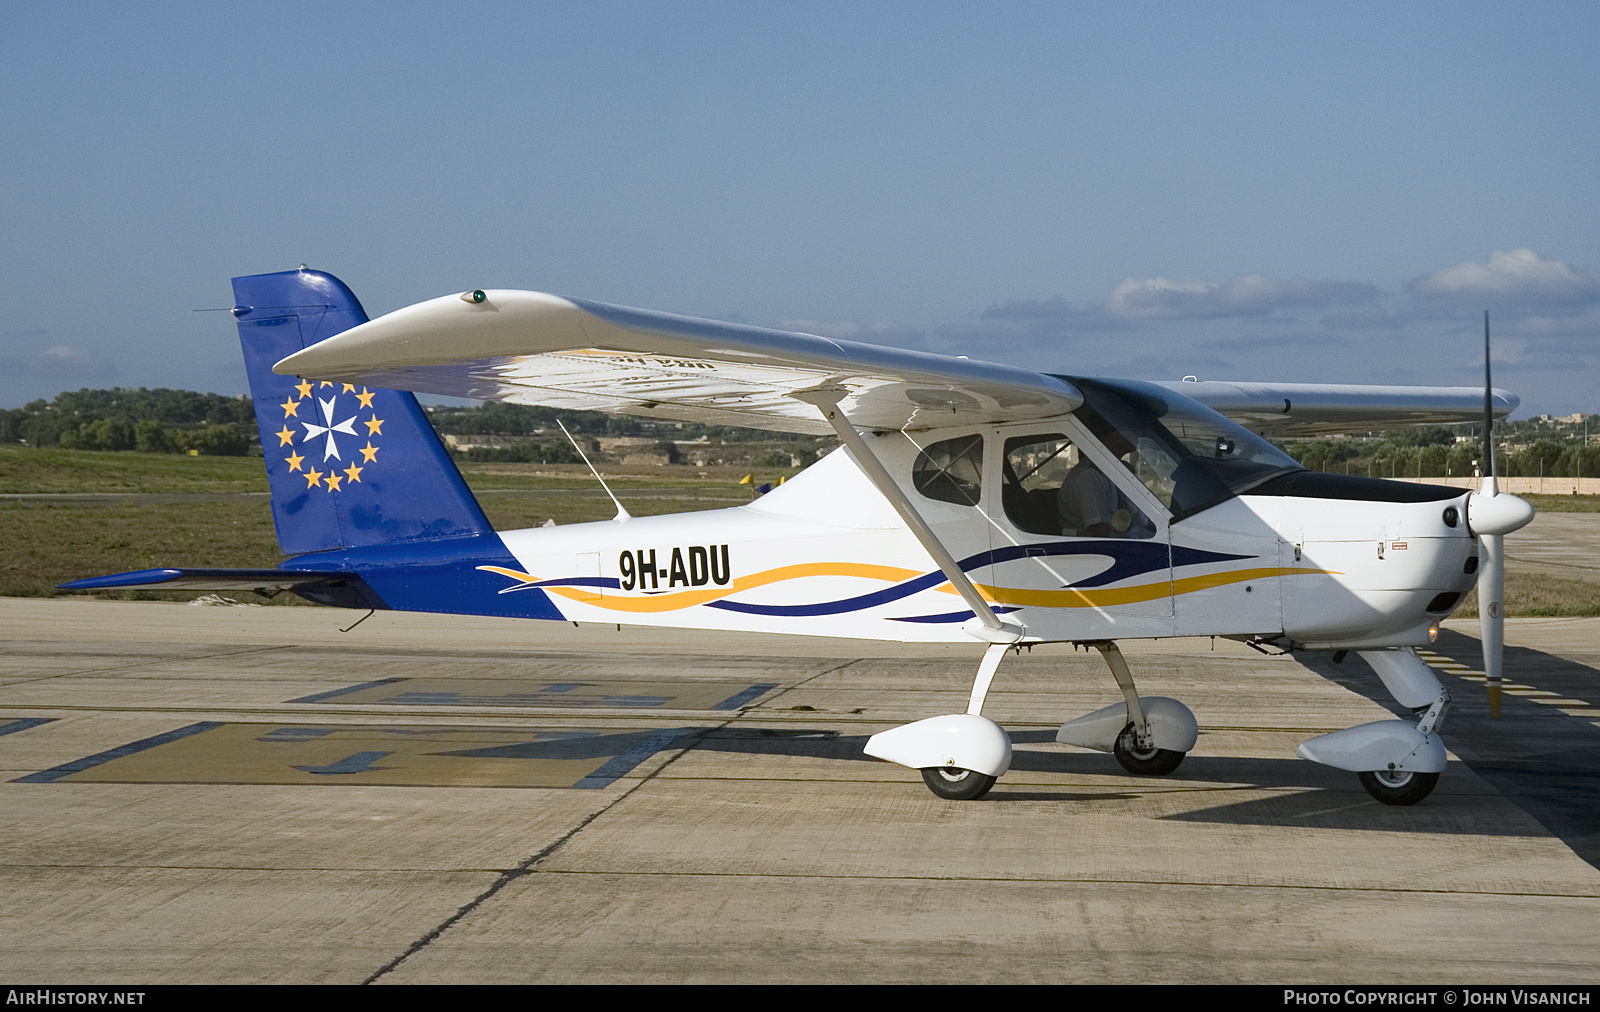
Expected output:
(1492, 515)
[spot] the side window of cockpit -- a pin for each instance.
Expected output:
(951, 471)
(1050, 489)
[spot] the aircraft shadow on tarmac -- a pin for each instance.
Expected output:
(1543, 760)
(1313, 796)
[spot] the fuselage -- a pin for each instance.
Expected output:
(825, 554)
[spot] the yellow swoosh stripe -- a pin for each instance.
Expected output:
(1064, 598)
(689, 598)
(1112, 596)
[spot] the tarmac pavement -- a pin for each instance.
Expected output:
(243, 794)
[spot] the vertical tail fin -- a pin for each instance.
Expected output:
(348, 467)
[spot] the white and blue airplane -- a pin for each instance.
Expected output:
(971, 502)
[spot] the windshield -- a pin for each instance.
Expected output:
(1188, 455)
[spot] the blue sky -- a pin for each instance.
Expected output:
(1293, 191)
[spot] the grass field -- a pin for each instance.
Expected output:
(46, 543)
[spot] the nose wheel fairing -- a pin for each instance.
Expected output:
(1397, 761)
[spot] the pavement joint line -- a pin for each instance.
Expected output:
(809, 678)
(525, 867)
(1330, 811)
(462, 714)
(1032, 785)
(529, 864)
(1085, 880)
(248, 867)
(1043, 880)
(91, 672)
(1547, 562)
(450, 714)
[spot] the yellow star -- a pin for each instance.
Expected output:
(314, 478)
(333, 482)
(304, 386)
(290, 408)
(285, 437)
(374, 426)
(365, 397)
(295, 460)
(325, 383)
(353, 473)
(349, 388)
(369, 453)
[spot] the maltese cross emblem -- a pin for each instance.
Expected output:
(334, 478)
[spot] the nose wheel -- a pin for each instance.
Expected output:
(956, 784)
(1397, 787)
(1147, 762)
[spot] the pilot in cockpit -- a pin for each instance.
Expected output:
(1090, 504)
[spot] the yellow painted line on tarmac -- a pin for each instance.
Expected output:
(1579, 708)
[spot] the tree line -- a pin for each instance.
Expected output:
(150, 421)
(179, 421)
(1528, 448)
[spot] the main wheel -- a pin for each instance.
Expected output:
(956, 784)
(1148, 762)
(1395, 787)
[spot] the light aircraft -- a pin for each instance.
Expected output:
(971, 502)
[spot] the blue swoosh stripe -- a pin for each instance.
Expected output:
(610, 582)
(1129, 559)
(872, 600)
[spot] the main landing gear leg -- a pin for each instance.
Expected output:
(1149, 736)
(961, 754)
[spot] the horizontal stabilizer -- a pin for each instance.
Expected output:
(338, 589)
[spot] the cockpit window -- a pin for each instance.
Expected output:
(1188, 455)
(1050, 489)
(951, 471)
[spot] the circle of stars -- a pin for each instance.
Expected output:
(327, 431)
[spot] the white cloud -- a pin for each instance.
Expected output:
(1520, 275)
(1245, 295)
(1583, 325)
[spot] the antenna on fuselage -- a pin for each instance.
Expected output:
(622, 514)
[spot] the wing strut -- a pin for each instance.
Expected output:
(992, 628)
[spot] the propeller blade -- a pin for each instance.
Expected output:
(1492, 515)
(1492, 612)
(1491, 484)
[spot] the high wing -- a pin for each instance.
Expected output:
(533, 348)
(1325, 409)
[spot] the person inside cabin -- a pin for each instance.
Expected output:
(1089, 503)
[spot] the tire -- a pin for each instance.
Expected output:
(1398, 788)
(1153, 762)
(955, 784)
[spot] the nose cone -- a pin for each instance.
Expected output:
(1499, 514)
